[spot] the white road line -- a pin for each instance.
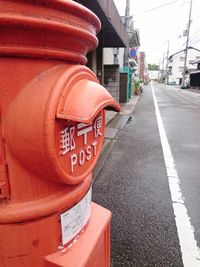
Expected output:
(188, 244)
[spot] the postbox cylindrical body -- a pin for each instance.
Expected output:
(52, 124)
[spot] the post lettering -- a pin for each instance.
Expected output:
(67, 140)
(81, 157)
(88, 153)
(97, 126)
(94, 144)
(74, 159)
(83, 129)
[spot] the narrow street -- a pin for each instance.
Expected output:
(134, 182)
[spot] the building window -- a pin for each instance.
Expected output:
(182, 58)
(170, 70)
(181, 69)
(197, 58)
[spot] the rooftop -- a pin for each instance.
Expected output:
(113, 32)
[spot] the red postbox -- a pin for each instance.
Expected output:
(52, 123)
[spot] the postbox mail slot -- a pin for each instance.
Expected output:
(80, 125)
(84, 101)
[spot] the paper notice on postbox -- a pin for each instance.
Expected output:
(74, 219)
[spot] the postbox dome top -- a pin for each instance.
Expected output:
(55, 29)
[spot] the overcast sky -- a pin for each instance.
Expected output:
(159, 25)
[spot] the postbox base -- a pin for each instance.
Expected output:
(92, 248)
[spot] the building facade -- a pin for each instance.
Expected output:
(112, 34)
(176, 64)
(154, 75)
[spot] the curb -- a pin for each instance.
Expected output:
(108, 144)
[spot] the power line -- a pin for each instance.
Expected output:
(196, 36)
(193, 37)
(156, 48)
(167, 4)
(194, 33)
(197, 41)
(194, 41)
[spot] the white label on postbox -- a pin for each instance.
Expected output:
(74, 219)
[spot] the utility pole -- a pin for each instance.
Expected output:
(186, 48)
(166, 79)
(163, 63)
(126, 24)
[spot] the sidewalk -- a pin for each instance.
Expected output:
(126, 108)
(115, 122)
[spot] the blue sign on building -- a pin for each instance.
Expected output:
(133, 53)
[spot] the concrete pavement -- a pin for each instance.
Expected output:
(114, 123)
(132, 181)
(133, 185)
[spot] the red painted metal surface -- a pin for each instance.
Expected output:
(94, 252)
(51, 124)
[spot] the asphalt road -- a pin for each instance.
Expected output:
(134, 184)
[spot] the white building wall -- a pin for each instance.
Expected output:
(121, 57)
(108, 57)
(178, 65)
(153, 74)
